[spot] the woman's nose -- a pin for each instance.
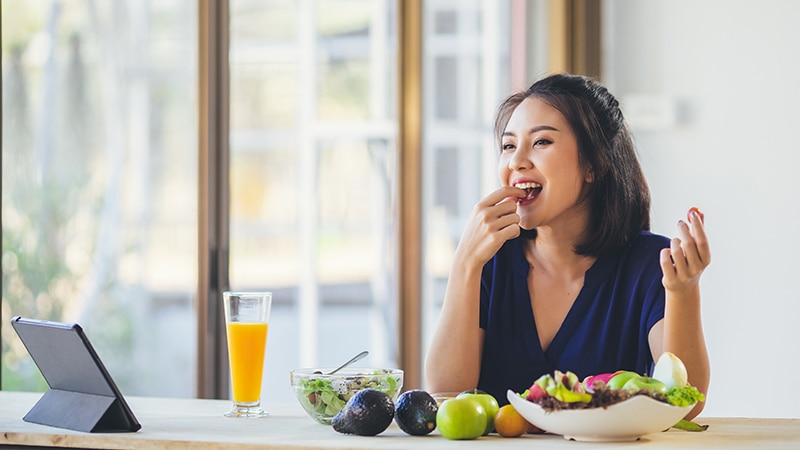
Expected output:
(520, 160)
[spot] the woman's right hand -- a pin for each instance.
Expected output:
(493, 221)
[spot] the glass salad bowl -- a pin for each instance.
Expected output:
(322, 396)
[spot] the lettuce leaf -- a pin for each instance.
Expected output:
(684, 396)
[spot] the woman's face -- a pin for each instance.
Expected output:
(539, 153)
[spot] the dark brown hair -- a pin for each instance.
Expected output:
(618, 197)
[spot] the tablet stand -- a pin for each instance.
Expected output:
(79, 411)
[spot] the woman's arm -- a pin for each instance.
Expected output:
(681, 331)
(454, 357)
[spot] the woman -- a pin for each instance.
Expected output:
(557, 268)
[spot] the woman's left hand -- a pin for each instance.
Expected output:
(688, 255)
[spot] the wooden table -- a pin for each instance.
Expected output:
(199, 424)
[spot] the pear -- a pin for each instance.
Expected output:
(671, 371)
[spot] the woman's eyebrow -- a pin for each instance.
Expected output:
(542, 128)
(533, 130)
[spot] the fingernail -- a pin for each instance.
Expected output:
(695, 214)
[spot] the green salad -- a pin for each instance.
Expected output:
(324, 397)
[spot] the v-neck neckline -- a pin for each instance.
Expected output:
(575, 312)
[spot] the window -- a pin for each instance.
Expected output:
(466, 73)
(313, 185)
(100, 184)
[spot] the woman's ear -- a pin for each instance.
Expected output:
(588, 175)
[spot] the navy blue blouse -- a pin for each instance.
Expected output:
(605, 330)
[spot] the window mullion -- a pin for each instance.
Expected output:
(213, 198)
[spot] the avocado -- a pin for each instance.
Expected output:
(415, 412)
(367, 413)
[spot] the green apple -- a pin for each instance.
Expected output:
(620, 378)
(649, 384)
(461, 418)
(489, 404)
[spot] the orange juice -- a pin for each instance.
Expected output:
(246, 345)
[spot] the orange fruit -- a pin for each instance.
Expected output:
(509, 423)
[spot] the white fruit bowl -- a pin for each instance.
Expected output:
(624, 421)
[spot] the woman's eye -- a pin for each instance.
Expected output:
(507, 147)
(540, 142)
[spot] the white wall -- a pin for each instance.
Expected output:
(715, 88)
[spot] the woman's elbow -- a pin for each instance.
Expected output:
(698, 408)
(441, 377)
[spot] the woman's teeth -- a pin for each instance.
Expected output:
(531, 189)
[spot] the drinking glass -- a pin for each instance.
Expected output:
(246, 322)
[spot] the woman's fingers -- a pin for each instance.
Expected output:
(666, 265)
(506, 194)
(498, 210)
(678, 256)
(688, 255)
(494, 221)
(689, 246)
(695, 241)
(498, 216)
(698, 230)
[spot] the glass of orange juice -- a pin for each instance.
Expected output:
(246, 322)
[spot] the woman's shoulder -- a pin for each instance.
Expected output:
(630, 264)
(644, 251)
(647, 241)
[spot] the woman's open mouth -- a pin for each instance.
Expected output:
(531, 190)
